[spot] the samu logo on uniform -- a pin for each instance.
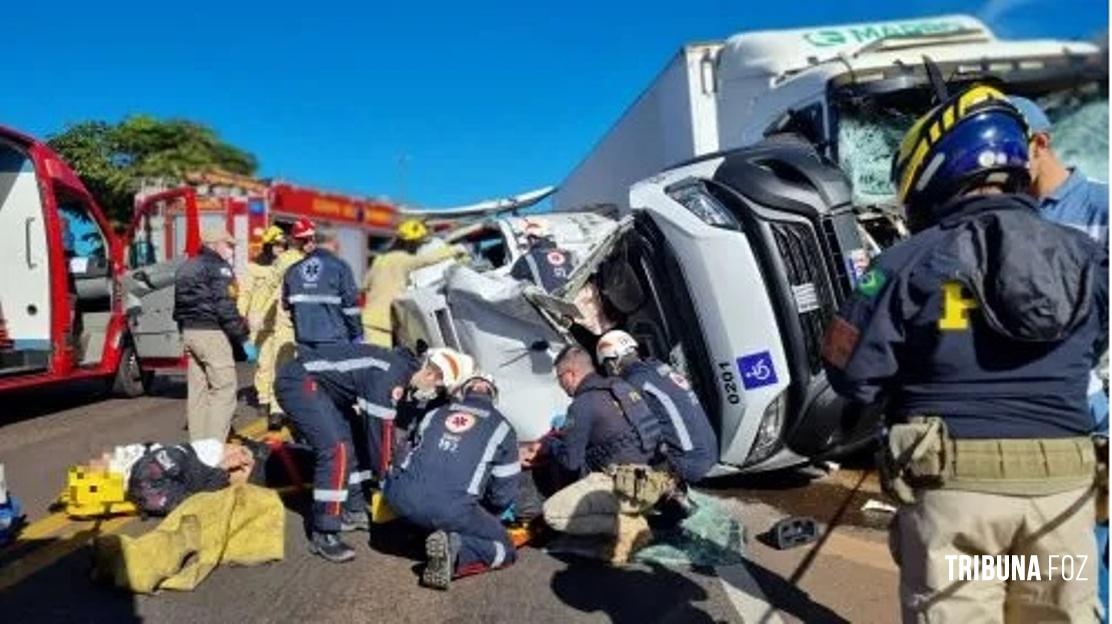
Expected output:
(310, 270)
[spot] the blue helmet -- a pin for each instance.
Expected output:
(975, 138)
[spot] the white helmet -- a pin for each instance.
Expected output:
(454, 366)
(613, 346)
(483, 377)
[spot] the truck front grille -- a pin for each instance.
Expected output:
(805, 265)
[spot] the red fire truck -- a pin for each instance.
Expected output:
(246, 206)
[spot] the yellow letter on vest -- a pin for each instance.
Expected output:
(955, 308)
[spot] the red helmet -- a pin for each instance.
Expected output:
(303, 228)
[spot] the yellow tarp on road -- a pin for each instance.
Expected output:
(239, 525)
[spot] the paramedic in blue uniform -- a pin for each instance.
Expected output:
(980, 331)
(1067, 196)
(341, 399)
(320, 293)
(544, 264)
(458, 479)
(690, 444)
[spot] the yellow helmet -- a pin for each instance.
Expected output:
(412, 230)
(273, 234)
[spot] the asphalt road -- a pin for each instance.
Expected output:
(847, 575)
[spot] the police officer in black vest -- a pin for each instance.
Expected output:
(980, 332)
(609, 431)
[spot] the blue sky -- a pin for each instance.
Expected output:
(481, 99)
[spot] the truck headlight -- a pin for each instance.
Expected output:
(693, 195)
(768, 432)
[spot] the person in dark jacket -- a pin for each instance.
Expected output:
(320, 293)
(980, 331)
(212, 331)
(456, 481)
(608, 425)
(342, 400)
(690, 443)
(544, 264)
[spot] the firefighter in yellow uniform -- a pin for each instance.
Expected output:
(254, 305)
(387, 277)
(280, 348)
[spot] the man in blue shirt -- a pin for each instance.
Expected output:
(1068, 197)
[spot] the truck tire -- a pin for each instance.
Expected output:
(130, 380)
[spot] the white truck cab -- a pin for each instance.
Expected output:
(728, 268)
(747, 255)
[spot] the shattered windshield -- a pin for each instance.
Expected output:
(868, 135)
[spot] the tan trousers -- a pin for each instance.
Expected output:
(380, 338)
(955, 522)
(212, 383)
(264, 370)
(586, 507)
(590, 507)
(278, 350)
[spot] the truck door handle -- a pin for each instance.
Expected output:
(31, 264)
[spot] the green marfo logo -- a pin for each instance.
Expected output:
(871, 32)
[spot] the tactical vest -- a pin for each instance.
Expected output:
(646, 434)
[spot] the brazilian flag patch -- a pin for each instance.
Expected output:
(871, 282)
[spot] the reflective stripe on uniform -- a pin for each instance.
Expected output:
(534, 269)
(499, 554)
(359, 476)
(673, 414)
(374, 409)
(346, 366)
(332, 299)
(353, 311)
(501, 471)
(500, 433)
(330, 496)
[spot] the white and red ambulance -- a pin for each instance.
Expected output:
(62, 271)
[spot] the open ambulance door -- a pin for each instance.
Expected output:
(164, 232)
(26, 305)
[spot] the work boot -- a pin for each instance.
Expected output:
(354, 521)
(275, 420)
(633, 534)
(440, 561)
(330, 547)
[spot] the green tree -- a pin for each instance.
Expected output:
(112, 159)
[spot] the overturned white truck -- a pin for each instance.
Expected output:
(728, 268)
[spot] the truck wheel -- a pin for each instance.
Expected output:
(131, 380)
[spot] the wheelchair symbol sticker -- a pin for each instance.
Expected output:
(757, 370)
